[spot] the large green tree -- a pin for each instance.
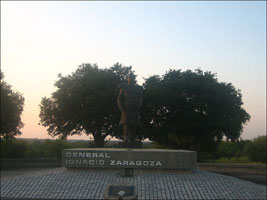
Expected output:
(85, 102)
(12, 103)
(191, 110)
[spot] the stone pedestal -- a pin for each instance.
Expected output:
(120, 158)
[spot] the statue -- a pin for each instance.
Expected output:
(129, 101)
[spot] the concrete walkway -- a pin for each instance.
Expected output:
(61, 183)
(7, 174)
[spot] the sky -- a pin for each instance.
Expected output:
(41, 39)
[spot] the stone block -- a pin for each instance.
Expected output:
(119, 158)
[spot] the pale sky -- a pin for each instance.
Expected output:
(41, 39)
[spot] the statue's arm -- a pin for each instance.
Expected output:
(120, 100)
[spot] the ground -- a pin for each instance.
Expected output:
(61, 183)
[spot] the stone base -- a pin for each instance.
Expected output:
(135, 145)
(129, 158)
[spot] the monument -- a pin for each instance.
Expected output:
(128, 159)
(129, 102)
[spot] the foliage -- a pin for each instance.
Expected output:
(242, 159)
(229, 149)
(20, 148)
(237, 160)
(256, 149)
(241, 151)
(154, 145)
(191, 110)
(85, 102)
(13, 148)
(11, 108)
(54, 148)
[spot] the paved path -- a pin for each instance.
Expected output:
(90, 184)
(7, 174)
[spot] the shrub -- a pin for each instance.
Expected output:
(20, 148)
(256, 149)
(229, 149)
(13, 148)
(35, 149)
(155, 145)
(235, 160)
(53, 149)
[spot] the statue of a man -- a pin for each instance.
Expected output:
(129, 102)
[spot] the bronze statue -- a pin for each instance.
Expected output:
(129, 102)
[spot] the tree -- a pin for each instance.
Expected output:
(12, 103)
(191, 110)
(85, 102)
(256, 149)
(228, 149)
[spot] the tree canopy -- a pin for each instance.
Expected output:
(85, 102)
(185, 110)
(12, 103)
(191, 110)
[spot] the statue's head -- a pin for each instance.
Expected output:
(130, 78)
